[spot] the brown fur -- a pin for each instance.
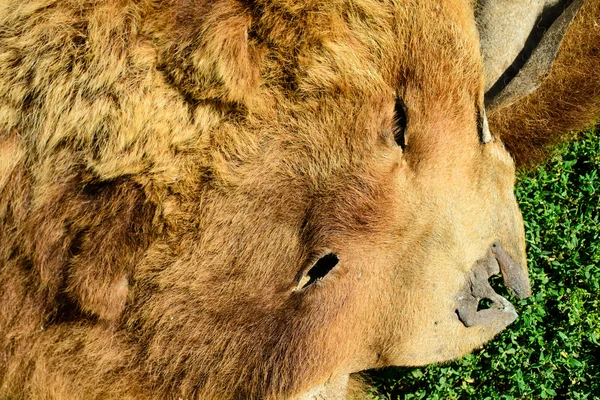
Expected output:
(567, 102)
(169, 169)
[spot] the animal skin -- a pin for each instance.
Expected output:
(234, 199)
(567, 101)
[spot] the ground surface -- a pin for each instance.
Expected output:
(553, 349)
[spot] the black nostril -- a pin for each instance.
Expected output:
(321, 268)
(484, 304)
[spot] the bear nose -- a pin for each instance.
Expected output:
(477, 288)
(514, 275)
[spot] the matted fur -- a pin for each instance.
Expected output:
(170, 168)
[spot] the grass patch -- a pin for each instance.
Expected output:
(552, 350)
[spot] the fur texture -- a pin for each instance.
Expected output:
(170, 169)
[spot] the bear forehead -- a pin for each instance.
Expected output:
(322, 48)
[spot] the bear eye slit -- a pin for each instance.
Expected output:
(400, 121)
(483, 127)
(319, 270)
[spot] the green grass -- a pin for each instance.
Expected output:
(553, 349)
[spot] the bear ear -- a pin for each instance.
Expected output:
(519, 42)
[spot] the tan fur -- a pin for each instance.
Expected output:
(168, 169)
